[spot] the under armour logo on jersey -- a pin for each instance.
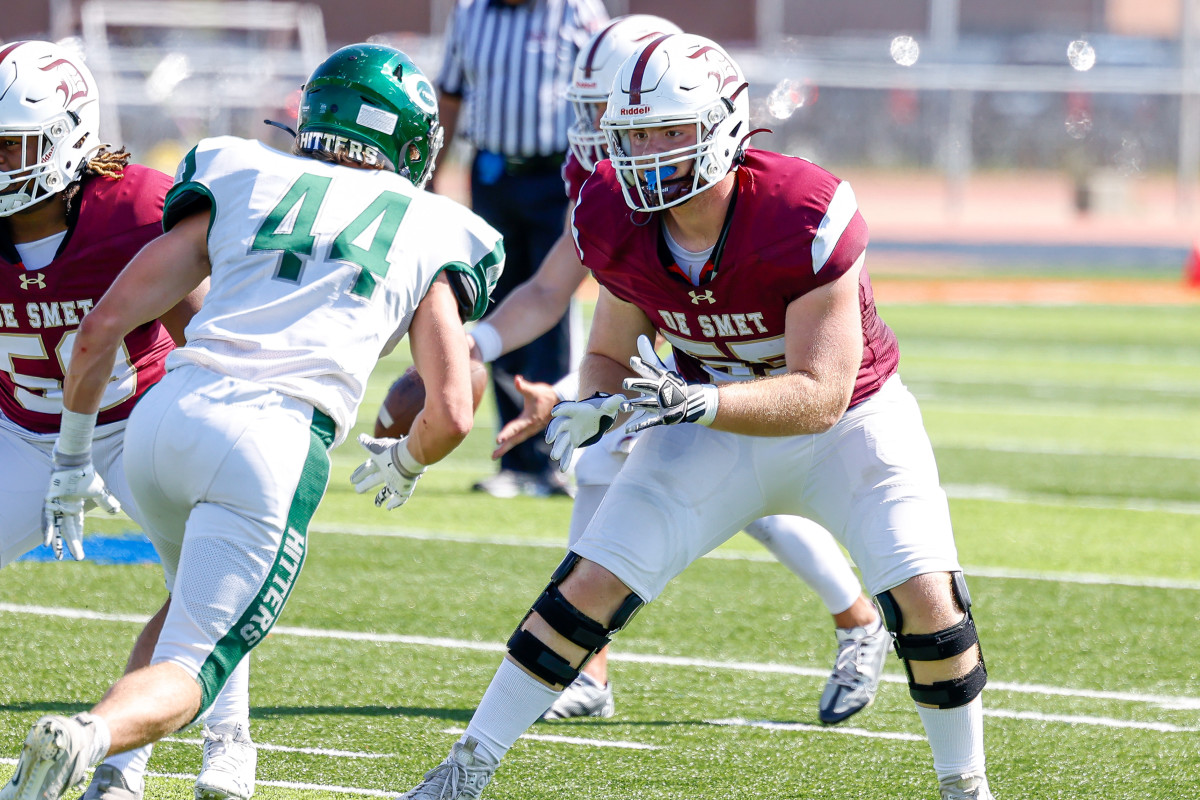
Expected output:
(708, 295)
(38, 280)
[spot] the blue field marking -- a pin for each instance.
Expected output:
(128, 549)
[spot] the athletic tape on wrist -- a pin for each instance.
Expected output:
(75, 433)
(406, 461)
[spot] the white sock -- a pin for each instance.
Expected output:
(590, 680)
(871, 628)
(132, 764)
(956, 738)
(513, 701)
(232, 704)
(101, 740)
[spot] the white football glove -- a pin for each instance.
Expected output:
(666, 397)
(391, 464)
(579, 423)
(74, 488)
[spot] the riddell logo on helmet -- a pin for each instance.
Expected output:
(630, 111)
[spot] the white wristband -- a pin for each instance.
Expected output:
(488, 340)
(711, 401)
(75, 433)
(567, 387)
(406, 461)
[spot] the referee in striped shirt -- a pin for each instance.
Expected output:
(507, 67)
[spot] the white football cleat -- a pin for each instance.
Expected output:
(109, 783)
(229, 763)
(54, 759)
(461, 776)
(856, 672)
(966, 787)
(583, 698)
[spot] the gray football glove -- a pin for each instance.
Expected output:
(579, 423)
(666, 397)
(74, 488)
(391, 464)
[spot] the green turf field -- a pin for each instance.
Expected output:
(1069, 442)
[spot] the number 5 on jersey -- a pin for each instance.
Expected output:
(288, 229)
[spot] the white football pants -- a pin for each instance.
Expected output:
(227, 474)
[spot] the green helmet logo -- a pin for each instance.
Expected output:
(373, 105)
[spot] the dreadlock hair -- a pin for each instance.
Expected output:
(106, 163)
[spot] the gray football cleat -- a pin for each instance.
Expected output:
(856, 672)
(461, 776)
(583, 698)
(54, 759)
(108, 783)
(966, 787)
(230, 759)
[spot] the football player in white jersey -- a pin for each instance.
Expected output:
(533, 307)
(72, 214)
(319, 261)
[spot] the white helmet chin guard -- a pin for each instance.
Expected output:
(595, 68)
(49, 103)
(677, 80)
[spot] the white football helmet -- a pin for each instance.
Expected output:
(677, 80)
(595, 68)
(49, 102)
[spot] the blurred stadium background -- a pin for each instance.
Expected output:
(1038, 135)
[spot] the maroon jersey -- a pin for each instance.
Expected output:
(791, 228)
(573, 175)
(40, 310)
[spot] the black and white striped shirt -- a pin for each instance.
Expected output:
(512, 66)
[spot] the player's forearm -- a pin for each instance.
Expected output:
(536, 305)
(91, 365)
(600, 373)
(528, 312)
(432, 439)
(794, 404)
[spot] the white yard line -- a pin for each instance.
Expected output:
(543, 737)
(316, 787)
(764, 557)
(1003, 494)
(312, 751)
(1173, 702)
(738, 722)
(1103, 722)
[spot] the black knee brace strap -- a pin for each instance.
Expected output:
(936, 646)
(570, 623)
(952, 693)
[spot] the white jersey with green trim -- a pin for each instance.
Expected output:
(317, 269)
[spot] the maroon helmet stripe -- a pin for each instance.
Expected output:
(639, 70)
(587, 68)
(4, 53)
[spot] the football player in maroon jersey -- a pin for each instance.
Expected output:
(534, 306)
(784, 400)
(72, 215)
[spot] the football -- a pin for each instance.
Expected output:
(406, 398)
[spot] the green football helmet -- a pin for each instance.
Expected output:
(373, 105)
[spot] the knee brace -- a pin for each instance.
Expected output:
(570, 623)
(956, 639)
